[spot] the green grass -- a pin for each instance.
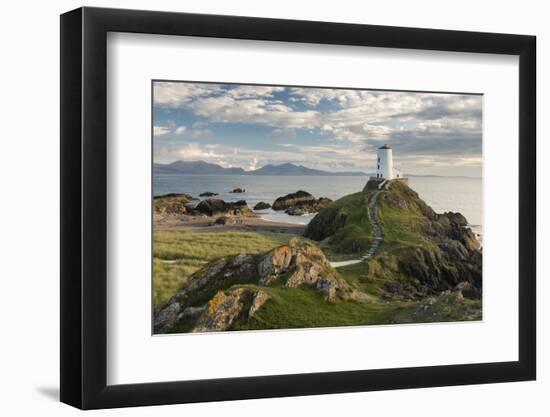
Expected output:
(190, 250)
(400, 227)
(305, 308)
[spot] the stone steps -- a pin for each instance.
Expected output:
(378, 230)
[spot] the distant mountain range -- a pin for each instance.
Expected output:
(205, 168)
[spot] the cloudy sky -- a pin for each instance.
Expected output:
(247, 126)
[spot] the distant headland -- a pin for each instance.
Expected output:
(289, 169)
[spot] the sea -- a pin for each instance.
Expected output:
(457, 194)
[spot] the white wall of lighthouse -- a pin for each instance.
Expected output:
(384, 163)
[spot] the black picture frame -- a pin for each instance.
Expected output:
(84, 207)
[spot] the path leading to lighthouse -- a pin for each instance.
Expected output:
(378, 232)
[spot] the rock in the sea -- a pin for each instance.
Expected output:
(216, 207)
(289, 200)
(306, 207)
(172, 204)
(208, 194)
(299, 203)
(238, 190)
(262, 206)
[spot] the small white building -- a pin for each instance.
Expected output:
(384, 164)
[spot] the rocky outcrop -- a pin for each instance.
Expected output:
(300, 263)
(306, 207)
(229, 307)
(422, 253)
(262, 206)
(238, 191)
(290, 200)
(223, 220)
(299, 203)
(208, 194)
(230, 284)
(216, 207)
(172, 204)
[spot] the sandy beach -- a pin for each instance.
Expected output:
(242, 223)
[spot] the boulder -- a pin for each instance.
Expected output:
(310, 206)
(303, 263)
(216, 207)
(172, 204)
(208, 194)
(289, 200)
(238, 190)
(228, 220)
(262, 206)
(228, 307)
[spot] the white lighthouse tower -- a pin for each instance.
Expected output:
(384, 163)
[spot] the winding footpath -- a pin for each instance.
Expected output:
(378, 230)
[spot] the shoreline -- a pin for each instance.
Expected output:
(243, 224)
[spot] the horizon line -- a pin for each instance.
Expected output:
(362, 173)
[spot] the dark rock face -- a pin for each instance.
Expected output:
(216, 207)
(262, 206)
(328, 222)
(172, 204)
(238, 190)
(299, 203)
(208, 194)
(223, 282)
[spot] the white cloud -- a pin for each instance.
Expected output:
(160, 131)
(284, 134)
(176, 94)
(253, 91)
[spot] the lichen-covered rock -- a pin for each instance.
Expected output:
(227, 308)
(217, 207)
(302, 263)
(258, 301)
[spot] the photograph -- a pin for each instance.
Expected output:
(292, 207)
